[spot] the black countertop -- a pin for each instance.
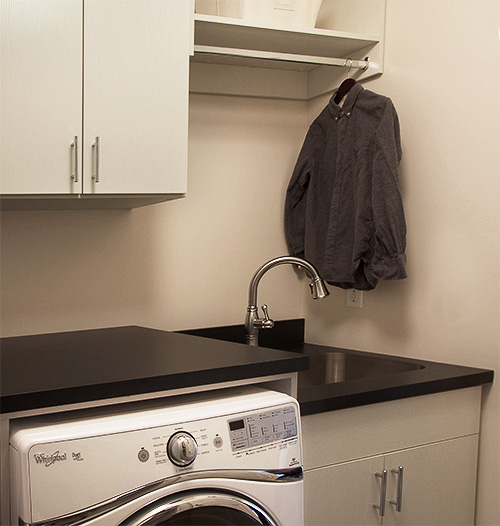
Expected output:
(47, 370)
(426, 378)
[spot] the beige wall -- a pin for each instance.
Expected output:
(181, 264)
(442, 70)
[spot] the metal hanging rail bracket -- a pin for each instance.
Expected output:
(284, 57)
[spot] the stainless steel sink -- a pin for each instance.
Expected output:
(333, 367)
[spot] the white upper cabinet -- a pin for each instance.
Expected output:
(41, 96)
(94, 101)
(136, 57)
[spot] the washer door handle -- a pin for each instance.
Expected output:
(193, 502)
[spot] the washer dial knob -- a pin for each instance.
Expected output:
(182, 448)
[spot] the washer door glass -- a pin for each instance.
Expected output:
(196, 508)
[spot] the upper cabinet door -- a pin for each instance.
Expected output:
(41, 94)
(136, 89)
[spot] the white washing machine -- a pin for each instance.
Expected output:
(232, 457)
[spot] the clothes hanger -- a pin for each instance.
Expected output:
(346, 85)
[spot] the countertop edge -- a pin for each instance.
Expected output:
(387, 394)
(91, 393)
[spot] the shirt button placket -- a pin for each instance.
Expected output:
(330, 255)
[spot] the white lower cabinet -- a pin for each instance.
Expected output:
(343, 494)
(352, 474)
(438, 488)
(439, 483)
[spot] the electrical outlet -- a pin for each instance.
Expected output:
(355, 298)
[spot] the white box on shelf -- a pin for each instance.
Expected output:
(282, 13)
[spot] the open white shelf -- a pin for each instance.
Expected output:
(236, 57)
(235, 33)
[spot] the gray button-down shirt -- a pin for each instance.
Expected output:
(343, 209)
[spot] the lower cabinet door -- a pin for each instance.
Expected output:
(344, 494)
(439, 484)
(436, 482)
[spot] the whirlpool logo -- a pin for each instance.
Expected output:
(49, 459)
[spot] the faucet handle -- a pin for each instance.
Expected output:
(266, 323)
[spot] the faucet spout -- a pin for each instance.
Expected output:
(252, 322)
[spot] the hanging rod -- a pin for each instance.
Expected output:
(285, 57)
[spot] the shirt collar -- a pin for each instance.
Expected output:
(349, 102)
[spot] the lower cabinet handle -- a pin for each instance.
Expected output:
(399, 495)
(383, 492)
(74, 160)
(95, 150)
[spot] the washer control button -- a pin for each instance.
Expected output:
(143, 455)
(218, 441)
(182, 448)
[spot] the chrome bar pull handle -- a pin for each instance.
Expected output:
(74, 159)
(399, 495)
(95, 157)
(383, 492)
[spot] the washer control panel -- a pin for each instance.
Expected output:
(263, 428)
(202, 443)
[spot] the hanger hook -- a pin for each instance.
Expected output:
(348, 63)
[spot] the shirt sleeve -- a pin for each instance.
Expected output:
(296, 204)
(388, 214)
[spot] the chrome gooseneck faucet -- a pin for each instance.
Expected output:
(252, 322)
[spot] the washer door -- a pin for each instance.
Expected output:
(207, 508)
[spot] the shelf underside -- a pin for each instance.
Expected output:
(315, 42)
